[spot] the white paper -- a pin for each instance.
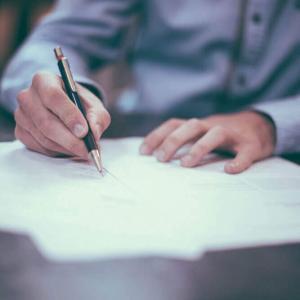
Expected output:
(145, 207)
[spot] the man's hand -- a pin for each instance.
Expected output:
(249, 135)
(49, 123)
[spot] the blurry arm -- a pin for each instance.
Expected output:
(91, 33)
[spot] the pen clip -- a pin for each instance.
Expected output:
(65, 68)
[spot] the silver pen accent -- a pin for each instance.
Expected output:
(96, 157)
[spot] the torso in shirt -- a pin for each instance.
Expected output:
(204, 56)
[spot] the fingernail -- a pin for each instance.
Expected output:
(78, 130)
(160, 155)
(187, 160)
(231, 167)
(144, 149)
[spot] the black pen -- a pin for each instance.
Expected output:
(72, 93)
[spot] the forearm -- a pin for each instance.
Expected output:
(33, 58)
(89, 33)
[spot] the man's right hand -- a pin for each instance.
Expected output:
(49, 123)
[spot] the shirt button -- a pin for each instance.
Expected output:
(256, 18)
(241, 80)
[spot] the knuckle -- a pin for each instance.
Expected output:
(172, 141)
(221, 130)
(195, 123)
(52, 96)
(22, 97)
(205, 124)
(174, 122)
(200, 149)
(70, 117)
(152, 138)
(38, 79)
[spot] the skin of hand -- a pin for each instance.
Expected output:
(47, 121)
(249, 135)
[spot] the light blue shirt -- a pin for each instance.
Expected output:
(190, 58)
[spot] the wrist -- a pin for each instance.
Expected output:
(266, 129)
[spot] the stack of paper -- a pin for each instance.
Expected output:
(143, 207)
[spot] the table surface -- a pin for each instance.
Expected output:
(263, 273)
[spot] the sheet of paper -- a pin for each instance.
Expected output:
(142, 207)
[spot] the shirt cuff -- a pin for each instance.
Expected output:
(285, 115)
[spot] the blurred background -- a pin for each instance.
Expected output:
(19, 17)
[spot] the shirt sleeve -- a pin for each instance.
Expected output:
(91, 33)
(286, 117)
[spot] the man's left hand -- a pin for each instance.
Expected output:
(249, 135)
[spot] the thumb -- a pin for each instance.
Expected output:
(98, 117)
(95, 124)
(243, 160)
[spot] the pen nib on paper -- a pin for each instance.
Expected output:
(96, 157)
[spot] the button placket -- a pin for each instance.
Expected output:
(241, 80)
(256, 20)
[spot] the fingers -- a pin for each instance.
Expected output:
(156, 137)
(49, 89)
(213, 139)
(190, 130)
(24, 122)
(243, 134)
(220, 137)
(53, 121)
(172, 135)
(98, 117)
(49, 125)
(27, 139)
(243, 160)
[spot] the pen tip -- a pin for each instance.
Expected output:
(95, 154)
(100, 169)
(99, 166)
